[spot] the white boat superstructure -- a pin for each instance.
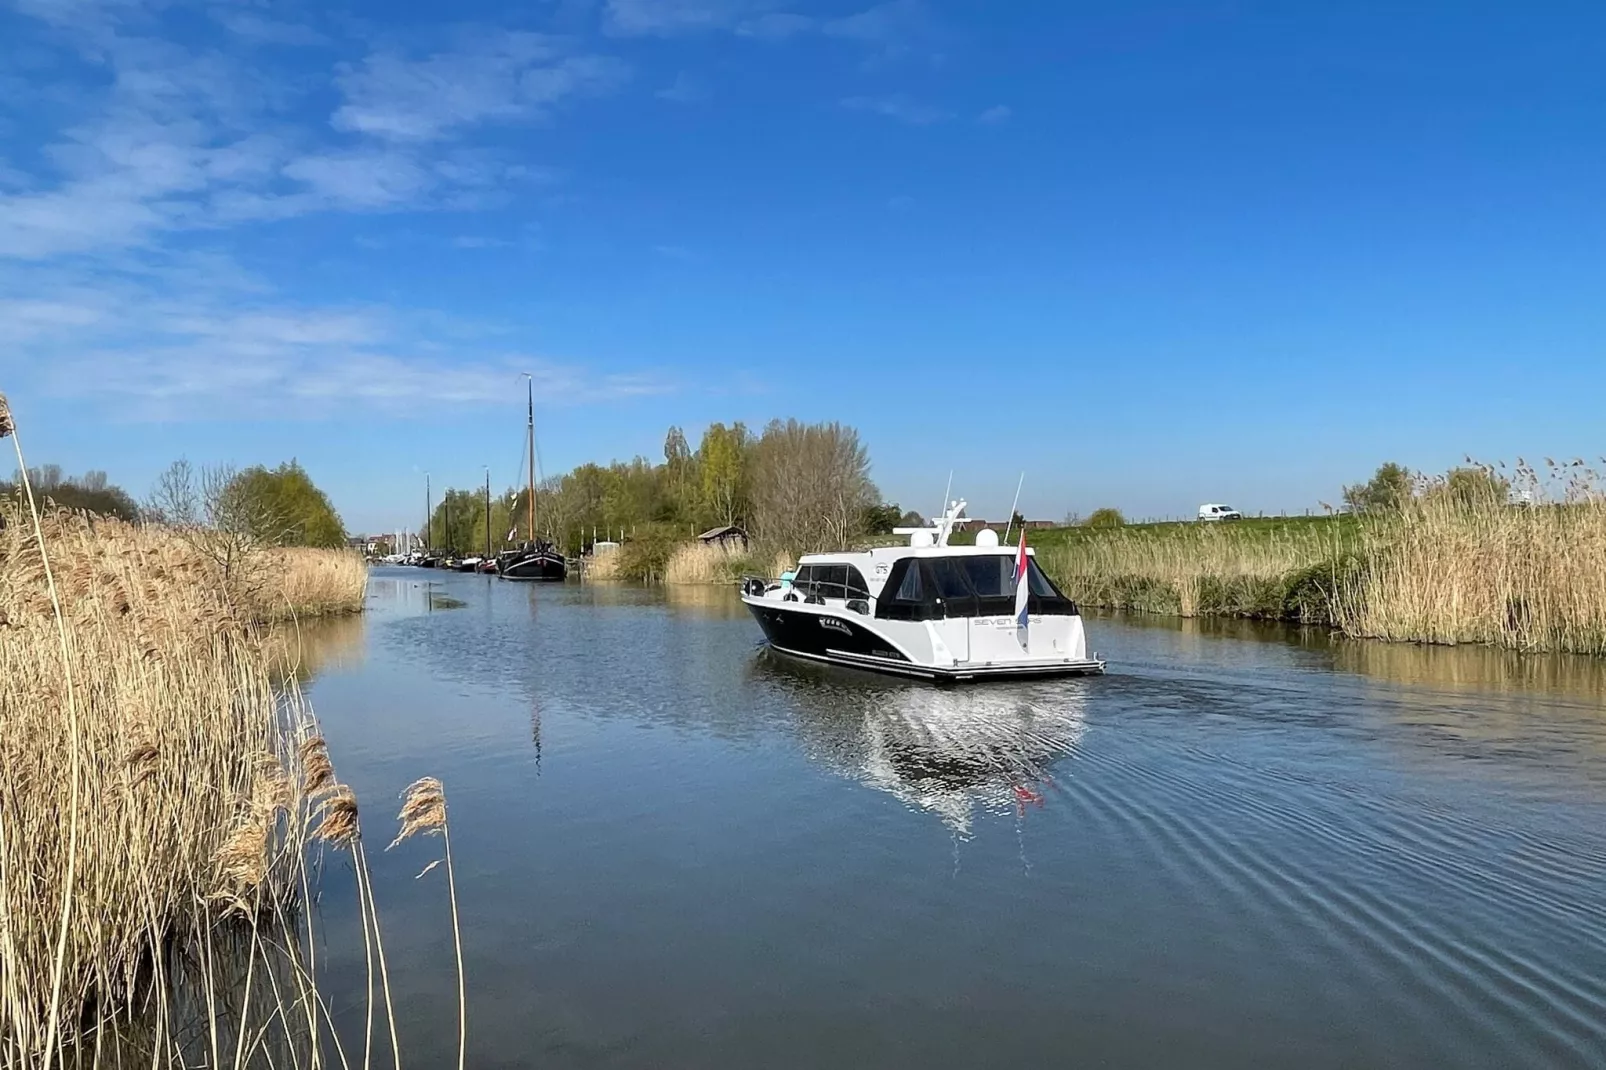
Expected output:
(926, 609)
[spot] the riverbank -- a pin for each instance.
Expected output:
(162, 784)
(1437, 571)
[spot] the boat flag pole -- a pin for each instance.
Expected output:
(1012, 506)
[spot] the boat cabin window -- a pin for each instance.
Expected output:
(831, 581)
(981, 585)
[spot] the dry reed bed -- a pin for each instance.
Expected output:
(1437, 571)
(148, 770)
(298, 582)
(159, 790)
(1521, 578)
(700, 562)
(1187, 570)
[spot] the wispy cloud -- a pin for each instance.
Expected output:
(146, 351)
(185, 139)
(677, 252)
(687, 89)
(477, 241)
(887, 23)
(999, 113)
(500, 78)
(666, 18)
(776, 26)
(260, 30)
(898, 107)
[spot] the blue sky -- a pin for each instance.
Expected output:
(1152, 253)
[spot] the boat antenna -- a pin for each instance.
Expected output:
(529, 382)
(1012, 506)
(945, 492)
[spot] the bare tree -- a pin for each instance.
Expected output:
(212, 511)
(811, 485)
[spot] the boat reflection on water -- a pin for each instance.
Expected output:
(950, 753)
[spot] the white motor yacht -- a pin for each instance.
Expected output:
(926, 610)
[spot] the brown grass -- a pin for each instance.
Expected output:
(300, 582)
(148, 777)
(1530, 579)
(1182, 569)
(603, 566)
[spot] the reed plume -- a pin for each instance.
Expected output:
(423, 812)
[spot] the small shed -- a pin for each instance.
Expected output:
(729, 537)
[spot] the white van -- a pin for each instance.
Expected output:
(1219, 512)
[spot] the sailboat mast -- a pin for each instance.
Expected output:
(530, 434)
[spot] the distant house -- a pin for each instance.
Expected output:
(728, 537)
(977, 525)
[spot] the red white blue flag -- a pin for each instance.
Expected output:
(1022, 591)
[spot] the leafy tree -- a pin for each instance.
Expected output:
(1017, 520)
(881, 519)
(1474, 487)
(1105, 518)
(286, 507)
(89, 492)
(911, 519)
(682, 482)
(1388, 490)
(722, 462)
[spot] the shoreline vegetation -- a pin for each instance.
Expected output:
(1438, 564)
(167, 802)
(1474, 556)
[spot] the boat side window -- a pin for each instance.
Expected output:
(803, 582)
(909, 594)
(857, 588)
(909, 588)
(1045, 597)
(1039, 583)
(831, 581)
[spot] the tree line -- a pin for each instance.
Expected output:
(90, 492)
(795, 485)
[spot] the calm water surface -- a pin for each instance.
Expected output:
(1242, 847)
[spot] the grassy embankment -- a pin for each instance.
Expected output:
(655, 557)
(1436, 571)
(161, 792)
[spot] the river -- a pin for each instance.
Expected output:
(1244, 846)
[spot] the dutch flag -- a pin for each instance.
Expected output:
(1021, 592)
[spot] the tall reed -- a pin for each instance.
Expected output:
(299, 582)
(1524, 577)
(1186, 569)
(158, 790)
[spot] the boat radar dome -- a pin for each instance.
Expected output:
(921, 538)
(986, 537)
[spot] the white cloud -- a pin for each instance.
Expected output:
(899, 107)
(156, 347)
(776, 26)
(506, 77)
(685, 90)
(670, 17)
(258, 30)
(999, 113)
(882, 24)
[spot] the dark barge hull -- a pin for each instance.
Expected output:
(550, 568)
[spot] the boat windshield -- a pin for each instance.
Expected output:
(965, 586)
